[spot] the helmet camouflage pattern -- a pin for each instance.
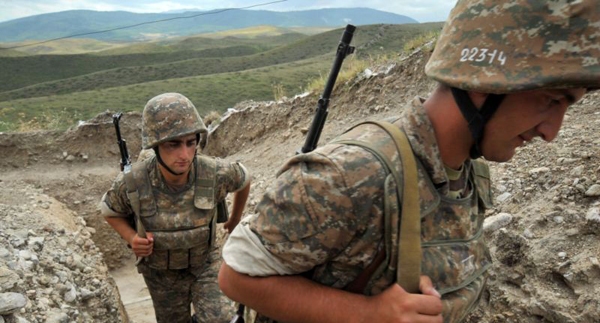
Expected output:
(503, 46)
(169, 116)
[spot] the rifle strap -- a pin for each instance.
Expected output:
(409, 245)
(409, 242)
(134, 198)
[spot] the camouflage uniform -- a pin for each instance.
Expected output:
(174, 289)
(184, 263)
(325, 216)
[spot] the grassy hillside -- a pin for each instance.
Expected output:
(5, 52)
(129, 69)
(19, 72)
(261, 36)
(58, 74)
(62, 46)
(216, 92)
(234, 69)
(260, 31)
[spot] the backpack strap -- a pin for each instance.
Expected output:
(409, 241)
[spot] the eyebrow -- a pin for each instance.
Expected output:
(570, 97)
(179, 141)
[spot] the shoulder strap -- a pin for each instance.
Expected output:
(409, 244)
(205, 191)
(483, 183)
(206, 177)
(134, 197)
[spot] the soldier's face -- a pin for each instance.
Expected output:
(523, 116)
(178, 154)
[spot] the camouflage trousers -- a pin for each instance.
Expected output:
(173, 291)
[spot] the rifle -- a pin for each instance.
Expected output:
(344, 49)
(128, 177)
(125, 160)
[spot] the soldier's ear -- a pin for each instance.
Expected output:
(203, 141)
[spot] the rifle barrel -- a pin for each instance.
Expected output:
(125, 160)
(343, 50)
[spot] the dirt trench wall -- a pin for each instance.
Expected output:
(50, 268)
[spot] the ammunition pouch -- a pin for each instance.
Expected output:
(180, 249)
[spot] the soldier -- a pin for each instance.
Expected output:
(507, 71)
(176, 192)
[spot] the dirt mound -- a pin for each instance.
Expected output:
(543, 231)
(50, 269)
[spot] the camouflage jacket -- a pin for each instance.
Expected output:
(325, 216)
(182, 221)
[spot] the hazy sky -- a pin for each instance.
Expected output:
(421, 10)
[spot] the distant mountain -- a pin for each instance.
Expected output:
(87, 23)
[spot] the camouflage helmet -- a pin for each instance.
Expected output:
(504, 46)
(169, 116)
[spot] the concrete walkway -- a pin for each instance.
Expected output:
(134, 294)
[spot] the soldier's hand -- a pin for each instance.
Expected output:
(426, 287)
(142, 247)
(396, 305)
(231, 223)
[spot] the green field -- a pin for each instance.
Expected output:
(215, 71)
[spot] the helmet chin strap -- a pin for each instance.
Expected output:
(476, 118)
(162, 163)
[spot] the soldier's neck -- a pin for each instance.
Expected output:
(172, 179)
(451, 130)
